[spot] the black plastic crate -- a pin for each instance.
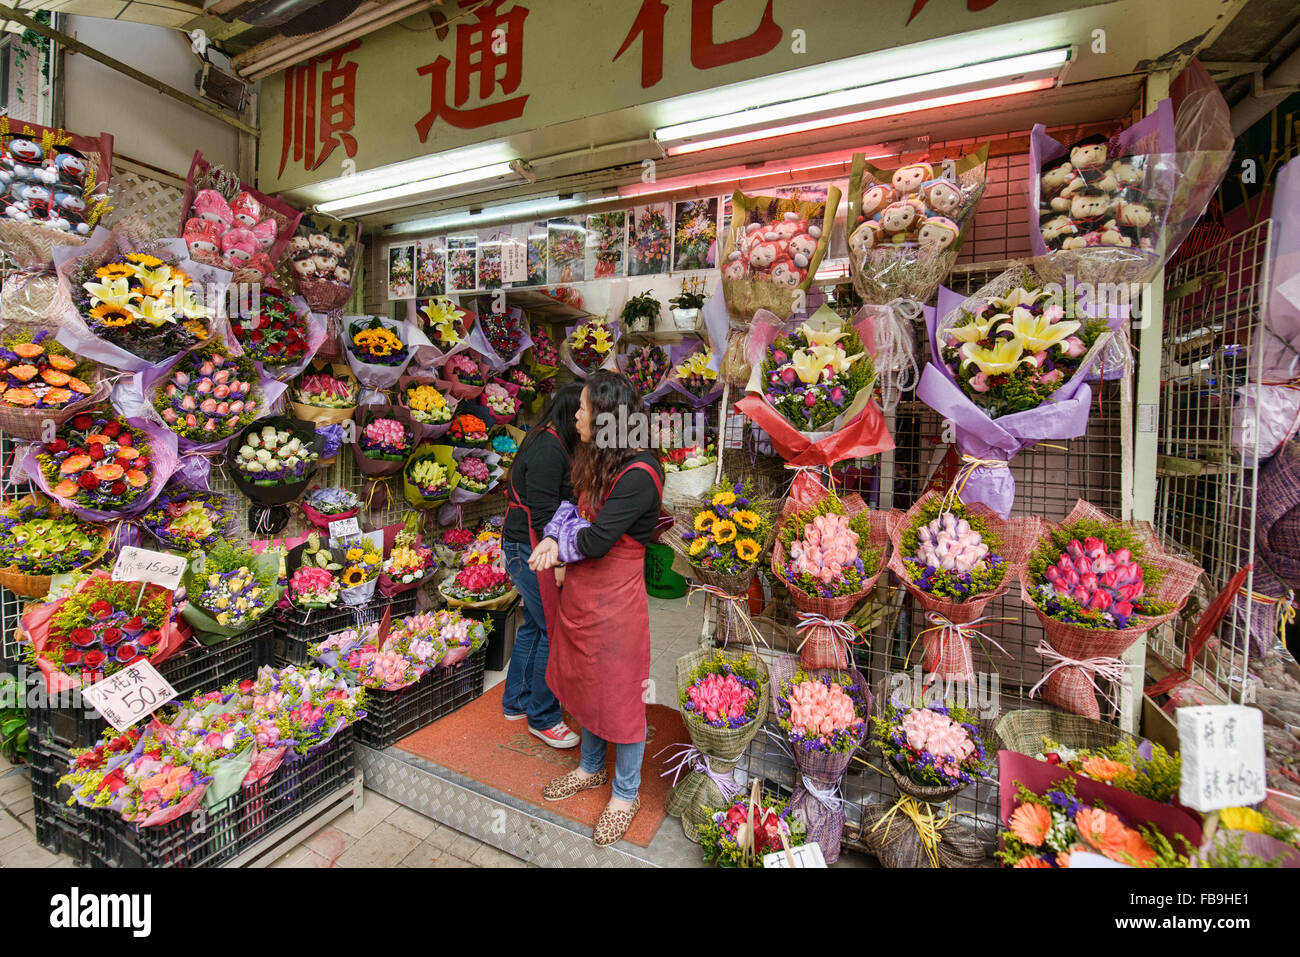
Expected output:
(392, 715)
(298, 628)
(60, 837)
(501, 625)
(208, 838)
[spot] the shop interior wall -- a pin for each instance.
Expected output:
(147, 127)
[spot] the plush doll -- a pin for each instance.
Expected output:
(299, 245)
(1056, 229)
(908, 179)
(27, 162)
(238, 245)
(68, 211)
(337, 250)
(262, 263)
(1127, 175)
(764, 255)
(1088, 156)
(864, 238)
(1133, 219)
(1089, 208)
(801, 248)
(71, 166)
(342, 274)
(898, 219)
(203, 238)
(305, 268)
(319, 242)
(877, 198)
(735, 269)
(942, 197)
(325, 263)
(246, 209)
(1111, 236)
(265, 232)
(35, 197)
(786, 273)
(212, 206)
(1055, 175)
(789, 226)
(937, 233)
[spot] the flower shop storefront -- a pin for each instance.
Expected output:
(958, 506)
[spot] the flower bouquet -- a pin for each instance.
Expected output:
(932, 752)
(451, 545)
(102, 467)
(688, 474)
(811, 388)
(646, 366)
(468, 431)
(475, 475)
(479, 586)
(384, 440)
(148, 786)
(824, 717)
(229, 589)
(313, 587)
(279, 333)
(408, 563)
(828, 553)
(98, 629)
(272, 462)
(371, 661)
(544, 362)
(444, 321)
(134, 309)
(724, 539)
(363, 560)
(691, 377)
(431, 409)
(462, 376)
(954, 559)
(455, 637)
(377, 350)
(524, 384)
(1097, 585)
(325, 393)
(906, 225)
(500, 337)
(186, 519)
(742, 834)
(1009, 368)
(38, 540)
(589, 346)
(501, 402)
(485, 549)
(504, 441)
(1141, 767)
(207, 396)
(41, 381)
(724, 698)
(324, 505)
(1050, 814)
(429, 476)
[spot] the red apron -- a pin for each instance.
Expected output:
(550, 592)
(600, 645)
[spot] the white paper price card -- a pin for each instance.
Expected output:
(344, 529)
(806, 855)
(129, 695)
(142, 565)
(1222, 755)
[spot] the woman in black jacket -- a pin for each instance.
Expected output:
(537, 484)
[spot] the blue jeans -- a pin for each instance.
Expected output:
(526, 689)
(627, 763)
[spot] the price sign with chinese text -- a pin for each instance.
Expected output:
(129, 695)
(1222, 755)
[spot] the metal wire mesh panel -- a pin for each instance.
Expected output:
(1214, 302)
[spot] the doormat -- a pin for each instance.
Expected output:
(478, 742)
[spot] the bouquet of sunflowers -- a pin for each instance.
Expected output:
(363, 560)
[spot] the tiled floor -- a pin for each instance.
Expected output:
(383, 833)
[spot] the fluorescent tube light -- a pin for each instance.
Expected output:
(507, 211)
(1020, 68)
(735, 174)
(375, 200)
(408, 171)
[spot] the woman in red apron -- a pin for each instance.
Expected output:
(600, 655)
(537, 484)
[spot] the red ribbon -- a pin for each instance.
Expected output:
(865, 435)
(1205, 628)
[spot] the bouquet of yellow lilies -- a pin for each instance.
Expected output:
(1009, 368)
(444, 323)
(590, 346)
(690, 377)
(147, 307)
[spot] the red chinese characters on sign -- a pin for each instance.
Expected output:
(489, 50)
(705, 52)
(319, 110)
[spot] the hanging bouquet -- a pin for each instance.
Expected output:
(691, 377)
(272, 462)
(504, 440)
(313, 587)
(728, 534)
(207, 396)
(444, 322)
(468, 431)
(500, 337)
(498, 400)
(463, 377)
(589, 346)
(375, 343)
(325, 505)
(996, 358)
(546, 357)
(186, 519)
(363, 561)
(38, 540)
(40, 376)
(477, 583)
(99, 629)
(475, 476)
(741, 834)
(1045, 829)
(103, 465)
(932, 752)
(409, 563)
(524, 383)
(429, 476)
(828, 553)
(230, 588)
(429, 406)
(646, 366)
(140, 305)
(954, 559)
(824, 717)
(326, 390)
(724, 699)
(383, 438)
(277, 332)
(1097, 585)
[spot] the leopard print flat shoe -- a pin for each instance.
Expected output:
(614, 824)
(570, 784)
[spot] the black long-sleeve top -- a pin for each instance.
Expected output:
(540, 477)
(631, 509)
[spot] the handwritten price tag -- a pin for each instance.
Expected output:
(514, 260)
(130, 695)
(806, 855)
(343, 530)
(1223, 756)
(142, 565)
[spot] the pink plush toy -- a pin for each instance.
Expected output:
(246, 209)
(262, 263)
(898, 219)
(877, 198)
(786, 273)
(802, 247)
(736, 267)
(238, 246)
(203, 238)
(212, 206)
(790, 226)
(265, 232)
(764, 255)
(937, 234)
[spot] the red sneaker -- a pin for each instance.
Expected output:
(557, 737)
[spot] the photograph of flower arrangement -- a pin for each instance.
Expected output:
(695, 234)
(649, 240)
(607, 244)
(401, 271)
(430, 267)
(566, 250)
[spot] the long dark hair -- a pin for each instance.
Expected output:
(595, 466)
(558, 414)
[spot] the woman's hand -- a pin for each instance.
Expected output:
(545, 555)
(559, 576)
